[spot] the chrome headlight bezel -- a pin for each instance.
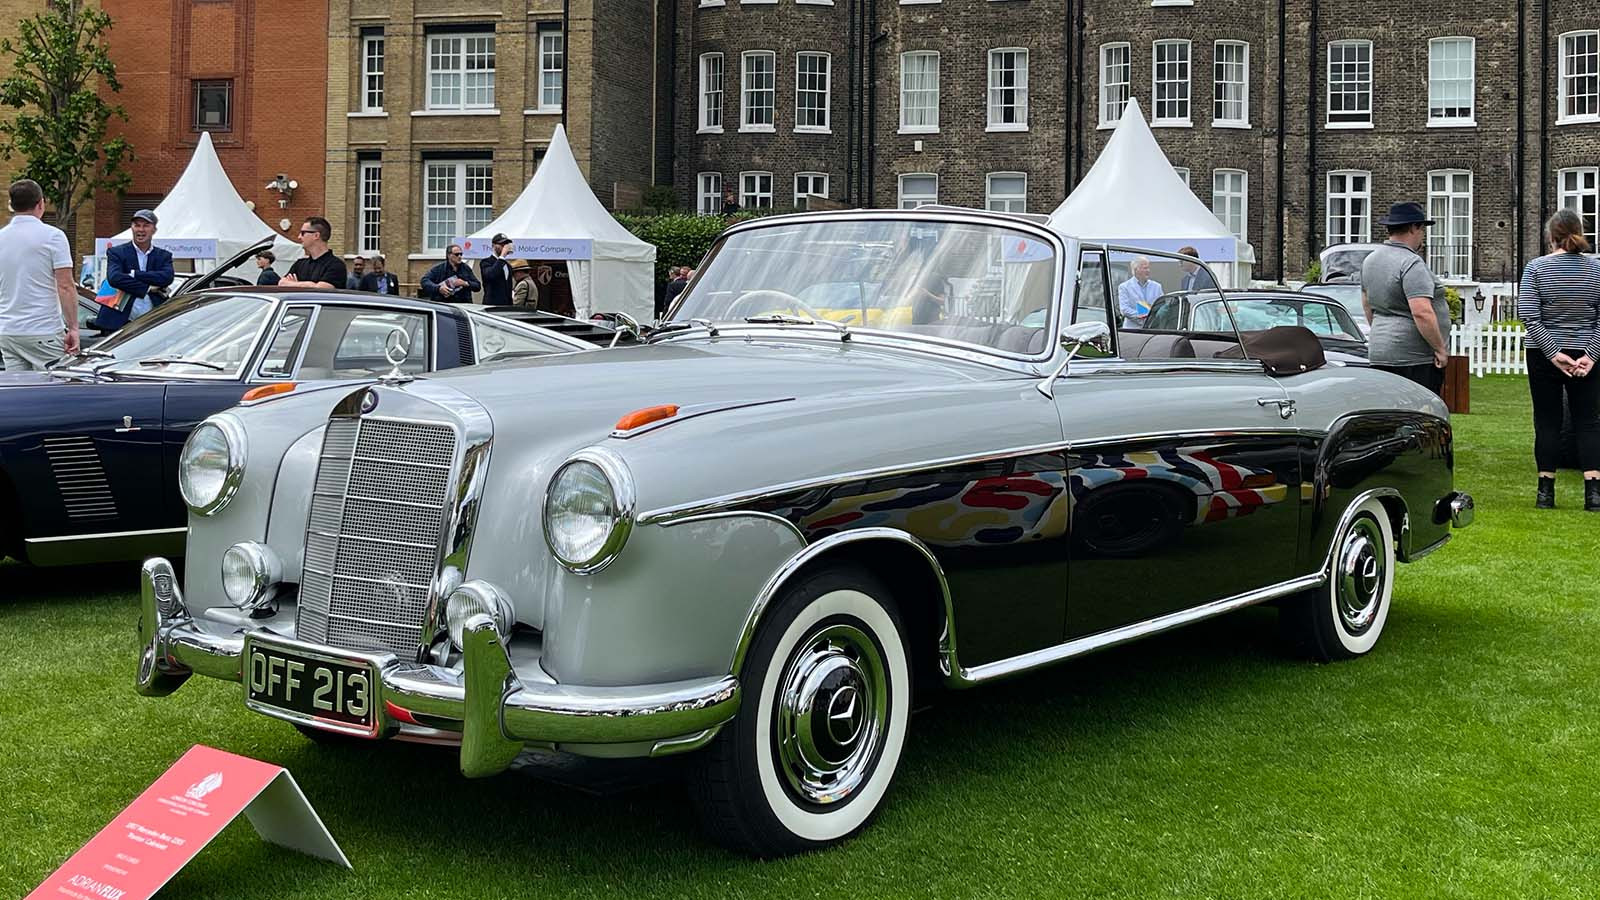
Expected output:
(234, 438)
(477, 598)
(622, 503)
(265, 574)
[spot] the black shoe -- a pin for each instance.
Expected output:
(1546, 498)
(1591, 494)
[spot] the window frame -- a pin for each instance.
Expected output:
(933, 92)
(369, 39)
(200, 84)
(369, 205)
(546, 32)
(460, 206)
(745, 92)
(1443, 228)
(705, 126)
(745, 196)
(827, 186)
(1243, 195)
(1563, 74)
(701, 194)
(1591, 219)
(1350, 123)
(1349, 196)
(1157, 120)
(900, 190)
(1217, 83)
(990, 197)
(827, 92)
(1018, 89)
(1126, 84)
(1470, 119)
(463, 37)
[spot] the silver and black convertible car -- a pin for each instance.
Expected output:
(1259, 310)
(750, 538)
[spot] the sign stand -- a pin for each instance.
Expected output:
(177, 816)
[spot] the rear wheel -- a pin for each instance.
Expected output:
(1344, 618)
(827, 696)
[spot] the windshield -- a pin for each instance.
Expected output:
(979, 284)
(1348, 295)
(205, 335)
(1259, 314)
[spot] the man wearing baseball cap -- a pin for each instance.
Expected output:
(1405, 303)
(139, 270)
(494, 271)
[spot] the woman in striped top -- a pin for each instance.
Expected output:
(1559, 304)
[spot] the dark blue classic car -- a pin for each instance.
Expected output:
(89, 450)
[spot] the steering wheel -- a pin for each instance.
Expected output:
(783, 298)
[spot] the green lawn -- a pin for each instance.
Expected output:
(1459, 759)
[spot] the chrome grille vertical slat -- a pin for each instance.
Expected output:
(373, 532)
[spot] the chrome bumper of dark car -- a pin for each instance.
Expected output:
(1457, 508)
(495, 711)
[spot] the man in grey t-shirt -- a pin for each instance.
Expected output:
(1405, 304)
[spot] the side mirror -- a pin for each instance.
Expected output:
(1074, 338)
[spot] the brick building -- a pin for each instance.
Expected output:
(1299, 121)
(438, 114)
(250, 73)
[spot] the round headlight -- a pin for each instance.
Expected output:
(588, 510)
(211, 464)
(471, 599)
(250, 571)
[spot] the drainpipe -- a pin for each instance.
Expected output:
(1311, 138)
(1068, 48)
(872, 105)
(1077, 87)
(672, 90)
(566, 59)
(1519, 170)
(1544, 109)
(1283, 111)
(852, 171)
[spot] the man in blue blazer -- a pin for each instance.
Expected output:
(138, 268)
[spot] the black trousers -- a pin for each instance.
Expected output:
(1549, 385)
(1428, 375)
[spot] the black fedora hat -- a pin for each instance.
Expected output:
(1406, 214)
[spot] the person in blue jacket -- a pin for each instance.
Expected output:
(451, 281)
(138, 268)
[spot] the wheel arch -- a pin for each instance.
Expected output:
(915, 579)
(1394, 505)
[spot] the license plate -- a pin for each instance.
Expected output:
(311, 687)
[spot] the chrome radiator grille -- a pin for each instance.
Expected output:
(372, 537)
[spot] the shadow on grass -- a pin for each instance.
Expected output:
(22, 585)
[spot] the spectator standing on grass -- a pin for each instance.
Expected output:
(264, 261)
(1135, 295)
(358, 269)
(1559, 304)
(140, 270)
(379, 281)
(1195, 277)
(523, 291)
(452, 280)
(320, 267)
(680, 280)
(495, 272)
(36, 294)
(1405, 304)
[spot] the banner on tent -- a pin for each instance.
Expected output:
(180, 248)
(1209, 249)
(532, 248)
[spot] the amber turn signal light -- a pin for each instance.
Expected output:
(647, 415)
(267, 390)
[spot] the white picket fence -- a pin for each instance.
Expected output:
(1490, 349)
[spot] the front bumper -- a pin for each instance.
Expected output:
(495, 711)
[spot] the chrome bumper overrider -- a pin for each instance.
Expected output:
(495, 712)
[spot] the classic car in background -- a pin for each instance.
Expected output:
(1258, 310)
(89, 450)
(1347, 295)
(751, 537)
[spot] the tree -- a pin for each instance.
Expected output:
(58, 64)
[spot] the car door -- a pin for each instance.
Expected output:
(1184, 472)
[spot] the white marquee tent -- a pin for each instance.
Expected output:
(557, 217)
(204, 205)
(1133, 196)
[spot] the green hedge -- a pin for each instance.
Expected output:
(682, 239)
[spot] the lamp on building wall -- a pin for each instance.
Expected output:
(285, 186)
(1477, 300)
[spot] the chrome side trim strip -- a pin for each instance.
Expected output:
(106, 534)
(956, 676)
(740, 514)
(1415, 555)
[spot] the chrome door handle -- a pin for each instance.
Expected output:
(127, 426)
(1285, 406)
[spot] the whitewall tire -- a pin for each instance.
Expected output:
(827, 697)
(1344, 618)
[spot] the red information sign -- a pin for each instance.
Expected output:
(161, 830)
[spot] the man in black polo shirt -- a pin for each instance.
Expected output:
(320, 267)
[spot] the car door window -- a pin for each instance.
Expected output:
(1320, 320)
(350, 342)
(287, 341)
(493, 340)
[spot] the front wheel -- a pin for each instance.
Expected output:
(827, 683)
(1344, 618)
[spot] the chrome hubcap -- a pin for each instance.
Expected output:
(831, 714)
(1361, 576)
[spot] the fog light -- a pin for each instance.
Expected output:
(250, 575)
(471, 599)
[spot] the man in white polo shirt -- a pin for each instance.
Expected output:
(36, 293)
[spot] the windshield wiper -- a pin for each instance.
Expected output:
(784, 319)
(681, 325)
(182, 361)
